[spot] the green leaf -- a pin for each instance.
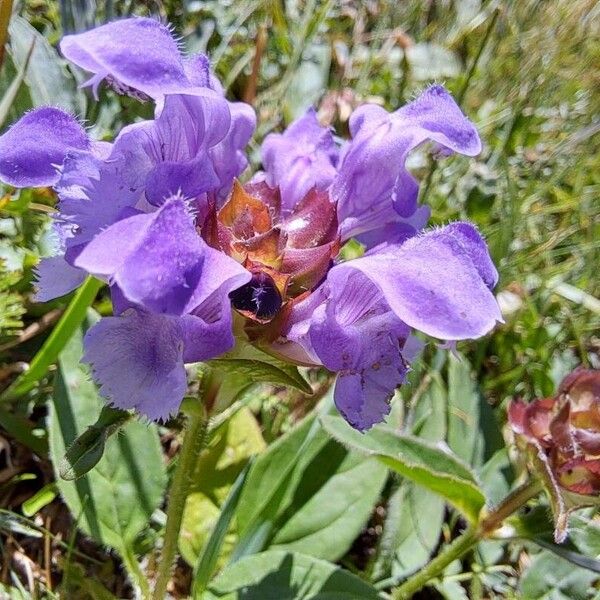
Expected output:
(256, 366)
(463, 411)
(272, 481)
(12, 92)
(582, 546)
(549, 577)
(113, 502)
(22, 430)
(414, 515)
(87, 450)
(306, 493)
(412, 529)
(326, 525)
(46, 77)
(417, 460)
(286, 576)
(48, 353)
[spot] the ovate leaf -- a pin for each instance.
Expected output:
(420, 461)
(327, 523)
(287, 576)
(549, 577)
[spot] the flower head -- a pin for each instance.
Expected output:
(566, 428)
(159, 214)
(560, 438)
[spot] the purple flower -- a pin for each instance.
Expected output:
(27, 162)
(438, 282)
(372, 177)
(158, 214)
(301, 158)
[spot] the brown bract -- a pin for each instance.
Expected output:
(560, 437)
(295, 249)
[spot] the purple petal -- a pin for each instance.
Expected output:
(95, 193)
(155, 259)
(437, 282)
(357, 335)
(373, 169)
(33, 148)
(304, 156)
(135, 55)
(171, 153)
(159, 261)
(363, 398)
(228, 155)
(137, 360)
(56, 277)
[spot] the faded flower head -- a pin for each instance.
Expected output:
(561, 437)
(160, 215)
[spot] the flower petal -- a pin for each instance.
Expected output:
(159, 261)
(95, 193)
(437, 282)
(137, 54)
(137, 360)
(33, 148)
(355, 334)
(373, 167)
(155, 259)
(56, 277)
(304, 156)
(228, 155)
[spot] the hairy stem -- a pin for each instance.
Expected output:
(194, 442)
(467, 540)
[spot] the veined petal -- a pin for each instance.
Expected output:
(95, 193)
(156, 259)
(228, 156)
(355, 334)
(438, 282)
(138, 357)
(159, 261)
(35, 146)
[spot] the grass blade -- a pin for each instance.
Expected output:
(208, 559)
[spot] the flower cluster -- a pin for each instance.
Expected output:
(564, 432)
(159, 214)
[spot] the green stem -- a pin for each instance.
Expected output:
(469, 538)
(515, 500)
(194, 441)
(459, 547)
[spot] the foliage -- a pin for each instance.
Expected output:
(279, 508)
